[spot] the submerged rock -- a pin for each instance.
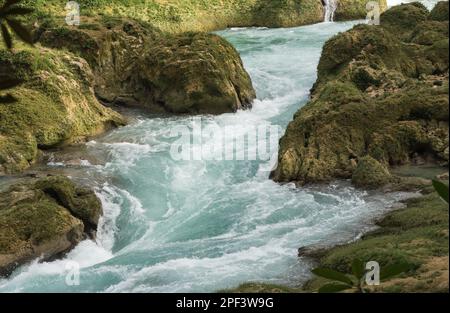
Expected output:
(55, 105)
(44, 219)
(378, 95)
(137, 65)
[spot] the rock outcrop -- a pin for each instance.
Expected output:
(370, 174)
(137, 65)
(382, 91)
(44, 218)
(354, 9)
(55, 105)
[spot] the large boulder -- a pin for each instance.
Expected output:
(44, 219)
(137, 65)
(55, 105)
(376, 95)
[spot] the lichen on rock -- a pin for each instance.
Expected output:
(44, 218)
(382, 91)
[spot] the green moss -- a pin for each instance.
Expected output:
(370, 173)
(55, 105)
(428, 32)
(260, 288)
(178, 16)
(40, 211)
(82, 203)
(354, 9)
(414, 234)
(376, 94)
(403, 18)
(38, 222)
(439, 12)
(44, 218)
(135, 64)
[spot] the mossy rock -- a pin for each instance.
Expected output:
(377, 94)
(370, 174)
(403, 18)
(354, 9)
(55, 105)
(429, 32)
(178, 16)
(439, 12)
(197, 73)
(137, 65)
(44, 218)
(81, 202)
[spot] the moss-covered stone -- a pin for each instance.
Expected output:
(377, 94)
(137, 65)
(197, 73)
(44, 218)
(370, 173)
(55, 105)
(439, 12)
(81, 202)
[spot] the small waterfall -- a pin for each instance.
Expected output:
(330, 7)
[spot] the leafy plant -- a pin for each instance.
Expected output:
(356, 279)
(442, 189)
(8, 14)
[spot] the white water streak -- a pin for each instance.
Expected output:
(330, 7)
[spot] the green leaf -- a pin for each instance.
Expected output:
(6, 36)
(441, 189)
(333, 275)
(358, 269)
(394, 270)
(332, 288)
(20, 30)
(7, 99)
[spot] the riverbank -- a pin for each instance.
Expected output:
(177, 16)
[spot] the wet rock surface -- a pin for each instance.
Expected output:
(44, 218)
